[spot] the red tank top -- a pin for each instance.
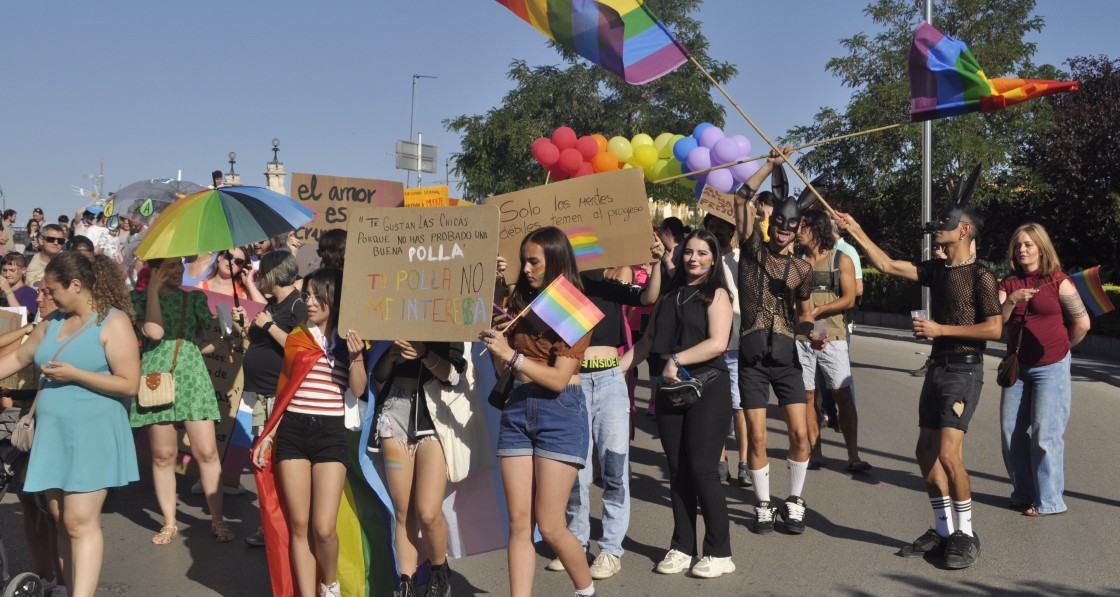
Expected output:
(1046, 340)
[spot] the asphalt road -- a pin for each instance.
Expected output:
(855, 523)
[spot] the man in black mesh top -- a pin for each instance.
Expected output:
(774, 303)
(965, 315)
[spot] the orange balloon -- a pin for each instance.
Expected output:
(604, 162)
(601, 140)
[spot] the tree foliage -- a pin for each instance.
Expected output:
(495, 156)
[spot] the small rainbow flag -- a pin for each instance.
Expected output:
(1088, 284)
(584, 243)
(947, 80)
(566, 310)
(622, 36)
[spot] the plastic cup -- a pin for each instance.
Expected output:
(919, 314)
(818, 335)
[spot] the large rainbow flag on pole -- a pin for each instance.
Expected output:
(566, 310)
(947, 80)
(1088, 284)
(622, 36)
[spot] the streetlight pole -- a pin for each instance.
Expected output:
(927, 179)
(411, 119)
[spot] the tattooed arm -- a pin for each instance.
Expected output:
(1073, 310)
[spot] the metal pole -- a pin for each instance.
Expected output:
(927, 180)
(411, 116)
(419, 160)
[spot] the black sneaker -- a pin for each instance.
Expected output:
(763, 518)
(744, 475)
(793, 513)
(929, 544)
(962, 550)
(406, 589)
(438, 582)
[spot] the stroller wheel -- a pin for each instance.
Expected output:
(25, 584)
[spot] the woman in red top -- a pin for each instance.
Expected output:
(1044, 317)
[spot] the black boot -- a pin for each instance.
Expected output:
(439, 582)
(406, 589)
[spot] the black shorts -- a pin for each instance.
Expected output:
(312, 437)
(756, 378)
(947, 384)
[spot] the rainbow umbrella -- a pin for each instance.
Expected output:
(220, 219)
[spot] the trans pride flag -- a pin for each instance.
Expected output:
(1088, 284)
(947, 80)
(566, 310)
(622, 36)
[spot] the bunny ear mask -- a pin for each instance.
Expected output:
(822, 184)
(779, 184)
(950, 216)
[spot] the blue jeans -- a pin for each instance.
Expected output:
(1033, 417)
(608, 409)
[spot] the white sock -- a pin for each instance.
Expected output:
(962, 516)
(761, 480)
(590, 590)
(942, 511)
(797, 471)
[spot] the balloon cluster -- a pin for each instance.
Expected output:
(565, 156)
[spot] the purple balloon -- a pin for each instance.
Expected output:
(683, 147)
(699, 159)
(741, 172)
(744, 145)
(710, 135)
(725, 152)
(700, 129)
(721, 180)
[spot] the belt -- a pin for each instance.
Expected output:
(592, 365)
(957, 359)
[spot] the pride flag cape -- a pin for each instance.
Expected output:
(566, 310)
(622, 36)
(365, 566)
(947, 80)
(1088, 284)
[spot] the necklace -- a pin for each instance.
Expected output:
(971, 258)
(692, 296)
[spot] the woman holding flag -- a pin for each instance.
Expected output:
(542, 441)
(1045, 317)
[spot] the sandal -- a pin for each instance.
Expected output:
(221, 531)
(859, 466)
(1034, 513)
(165, 534)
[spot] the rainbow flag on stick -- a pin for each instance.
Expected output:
(1088, 284)
(622, 36)
(566, 310)
(947, 80)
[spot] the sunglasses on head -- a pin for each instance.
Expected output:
(239, 262)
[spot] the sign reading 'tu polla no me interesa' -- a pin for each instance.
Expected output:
(420, 274)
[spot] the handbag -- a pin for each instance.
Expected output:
(683, 395)
(24, 432)
(500, 394)
(1008, 371)
(460, 424)
(158, 389)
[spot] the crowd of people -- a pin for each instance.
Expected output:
(721, 315)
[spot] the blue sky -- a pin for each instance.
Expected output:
(155, 88)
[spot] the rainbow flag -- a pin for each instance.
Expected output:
(622, 36)
(1088, 284)
(566, 310)
(584, 243)
(947, 80)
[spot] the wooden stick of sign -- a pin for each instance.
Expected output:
(766, 155)
(511, 322)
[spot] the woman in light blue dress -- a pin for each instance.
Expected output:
(89, 358)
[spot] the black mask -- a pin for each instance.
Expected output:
(950, 216)
(787, 211)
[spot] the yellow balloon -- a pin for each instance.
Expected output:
(645, 156)
(663, 145)
(620, 148)
(641, 139)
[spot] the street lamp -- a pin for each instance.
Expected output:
(411, 117)
(275, 151)
(232, 161)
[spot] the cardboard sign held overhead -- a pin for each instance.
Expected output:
(426, 197)
(420, 274)
(334, 199)
(606, 217)
(721, 205)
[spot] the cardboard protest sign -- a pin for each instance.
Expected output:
(420, 274)
(11, 320)
(721, 205)
(606, 217)
(427, 197)
(333, 199)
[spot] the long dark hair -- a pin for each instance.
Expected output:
(326, 284)
(715, 279)
(820, 225)
(559, 260)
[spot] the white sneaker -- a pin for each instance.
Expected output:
(605, 565)
(710, 567)
(675, 562)
(555, 565)
(331, 590)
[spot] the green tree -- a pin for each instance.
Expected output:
(881, 173)
(495, 156)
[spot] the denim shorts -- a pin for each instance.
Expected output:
(540, 422)
(312, 437)
(395, 420)
(947, 384)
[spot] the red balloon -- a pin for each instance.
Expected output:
(570, 160)
(556, 173)
(587, 147)
(545, 152)
(564, 138)
(584, 170)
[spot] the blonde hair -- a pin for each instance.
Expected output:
(1048, 261)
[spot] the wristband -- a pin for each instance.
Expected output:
(520, 362)
(675, 361)
(268, 325)
(513, 359)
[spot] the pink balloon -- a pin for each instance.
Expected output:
(710, 135)
(587, 147)
(721, 180)
(725, 152)
(744, 146)
(699, 158)
(545, 152)
(585, 169)
(570, 160)
(742, 172)
(564, 138)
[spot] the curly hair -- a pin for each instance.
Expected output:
(98, 273)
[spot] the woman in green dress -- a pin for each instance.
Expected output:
(165, 314)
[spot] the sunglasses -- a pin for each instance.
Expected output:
(239, 262)
(57, 240)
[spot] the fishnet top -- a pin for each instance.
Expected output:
(797, 286)
(964, 295)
